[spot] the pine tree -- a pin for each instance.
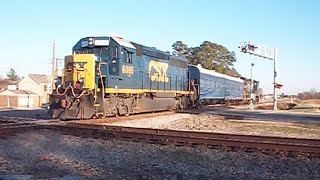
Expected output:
(12, 75)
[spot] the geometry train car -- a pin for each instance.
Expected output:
(213, 87)
(112, 76)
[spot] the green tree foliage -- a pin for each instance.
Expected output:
(12, 75)
(210, 55)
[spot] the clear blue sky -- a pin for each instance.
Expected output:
(28, 29)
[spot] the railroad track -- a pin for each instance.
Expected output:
(229, 142)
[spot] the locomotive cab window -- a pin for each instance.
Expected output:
(114, 52)
(127, 56)
(102, 53)
(84, 51)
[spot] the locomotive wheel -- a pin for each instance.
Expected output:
(257, 99)
(126, 110)
(56, 113)
(178, 105)
(100, 116)
(123, 110)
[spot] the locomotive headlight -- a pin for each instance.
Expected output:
(79, 83)
(90, 41)
(57, 82)
(81, 80)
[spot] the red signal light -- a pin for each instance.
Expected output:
(278, 86)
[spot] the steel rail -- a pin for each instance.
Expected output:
(202, 139)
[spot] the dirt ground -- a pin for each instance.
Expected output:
(303, 106)
(47, 154)
(307, 106)
(311, 101)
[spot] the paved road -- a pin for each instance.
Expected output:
(270, 115)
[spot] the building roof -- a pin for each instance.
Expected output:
(7, 82)
(4, 83)
(18, 92)
(40, 78)
(22, 92)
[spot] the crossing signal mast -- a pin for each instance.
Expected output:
(267, 53)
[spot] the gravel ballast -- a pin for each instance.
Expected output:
(45, 154)
(220, 124)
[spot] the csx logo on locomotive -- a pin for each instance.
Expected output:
(158, 71)
(76, 65)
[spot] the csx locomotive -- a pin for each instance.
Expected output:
(112, 76)
(108, 76)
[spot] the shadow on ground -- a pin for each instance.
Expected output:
(39, 113)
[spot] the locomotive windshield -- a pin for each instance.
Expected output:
(102, 53)
(99, 46)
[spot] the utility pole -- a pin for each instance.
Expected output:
(53, 58)
(251, 88)
(274, 80)
(53, 64)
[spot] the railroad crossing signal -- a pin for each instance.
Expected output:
(257, 50)
(267, 53)
(278, 86)
(248, 48)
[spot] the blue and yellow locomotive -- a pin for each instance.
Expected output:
(112, 76)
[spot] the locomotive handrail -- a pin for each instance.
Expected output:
(100, 75)
(72, 90)
(61, 94)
